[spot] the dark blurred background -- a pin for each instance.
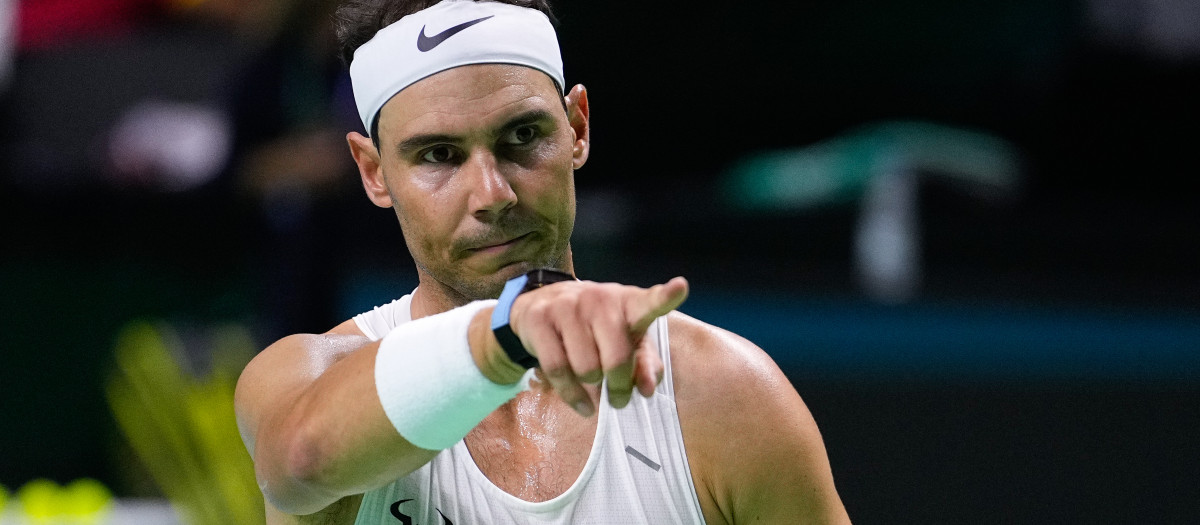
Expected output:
(966, 230)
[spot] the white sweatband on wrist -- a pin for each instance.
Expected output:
(428, 382)
(450, 34)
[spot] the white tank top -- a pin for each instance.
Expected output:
(636, 473)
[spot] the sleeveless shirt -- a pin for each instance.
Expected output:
(637, 471)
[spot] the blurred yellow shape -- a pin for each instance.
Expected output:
(86, 500)
(39, 500)
(183, 428)
(82, 502)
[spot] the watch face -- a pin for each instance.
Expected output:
(541, 277)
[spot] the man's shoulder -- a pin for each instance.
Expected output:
(742, 420)
(719, 373)
(703, 350)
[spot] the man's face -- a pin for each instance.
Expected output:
(479, 166)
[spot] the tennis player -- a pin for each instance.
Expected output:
(502, 389)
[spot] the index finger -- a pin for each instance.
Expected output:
(643, 308)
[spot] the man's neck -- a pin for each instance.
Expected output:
(433, 297)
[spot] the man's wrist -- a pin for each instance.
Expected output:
(491, 359)
(431, 387)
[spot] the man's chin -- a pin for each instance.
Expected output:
(488, 283)
(515, 269)
(489, 278)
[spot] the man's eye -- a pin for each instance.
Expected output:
(521, 135)
(438, 154)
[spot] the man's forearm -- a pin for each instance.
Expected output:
(331, 440)
(334, 438)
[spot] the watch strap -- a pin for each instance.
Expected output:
(500, 323)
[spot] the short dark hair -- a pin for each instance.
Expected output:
(357, 21)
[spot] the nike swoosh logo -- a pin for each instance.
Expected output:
(425, 43)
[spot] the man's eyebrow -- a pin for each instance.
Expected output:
(528, 117)
(417, 142)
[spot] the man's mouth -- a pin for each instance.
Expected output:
(500, 246)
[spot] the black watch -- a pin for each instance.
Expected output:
(516, 286)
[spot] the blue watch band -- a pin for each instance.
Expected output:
(501, 329)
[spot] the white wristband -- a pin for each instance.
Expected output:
(428, 383)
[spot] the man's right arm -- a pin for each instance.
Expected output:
(309, 410)
(311, 419)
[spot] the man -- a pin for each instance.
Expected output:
(448, 406)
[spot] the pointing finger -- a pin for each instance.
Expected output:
(655, 302)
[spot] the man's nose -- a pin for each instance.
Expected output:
(490, 192)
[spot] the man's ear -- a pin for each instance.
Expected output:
(577, 116)
(370, 168)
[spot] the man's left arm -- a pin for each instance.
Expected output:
(754, 449)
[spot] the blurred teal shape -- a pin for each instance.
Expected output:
(879, 167)
(840, 169)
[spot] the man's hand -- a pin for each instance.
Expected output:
(583, 332)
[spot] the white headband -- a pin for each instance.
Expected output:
(450, 34)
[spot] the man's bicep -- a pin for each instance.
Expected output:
(773, 468)
(802, 493)
(277, 375)
(267, 382)
(786, 435)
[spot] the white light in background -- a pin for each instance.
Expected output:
(170, 146)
